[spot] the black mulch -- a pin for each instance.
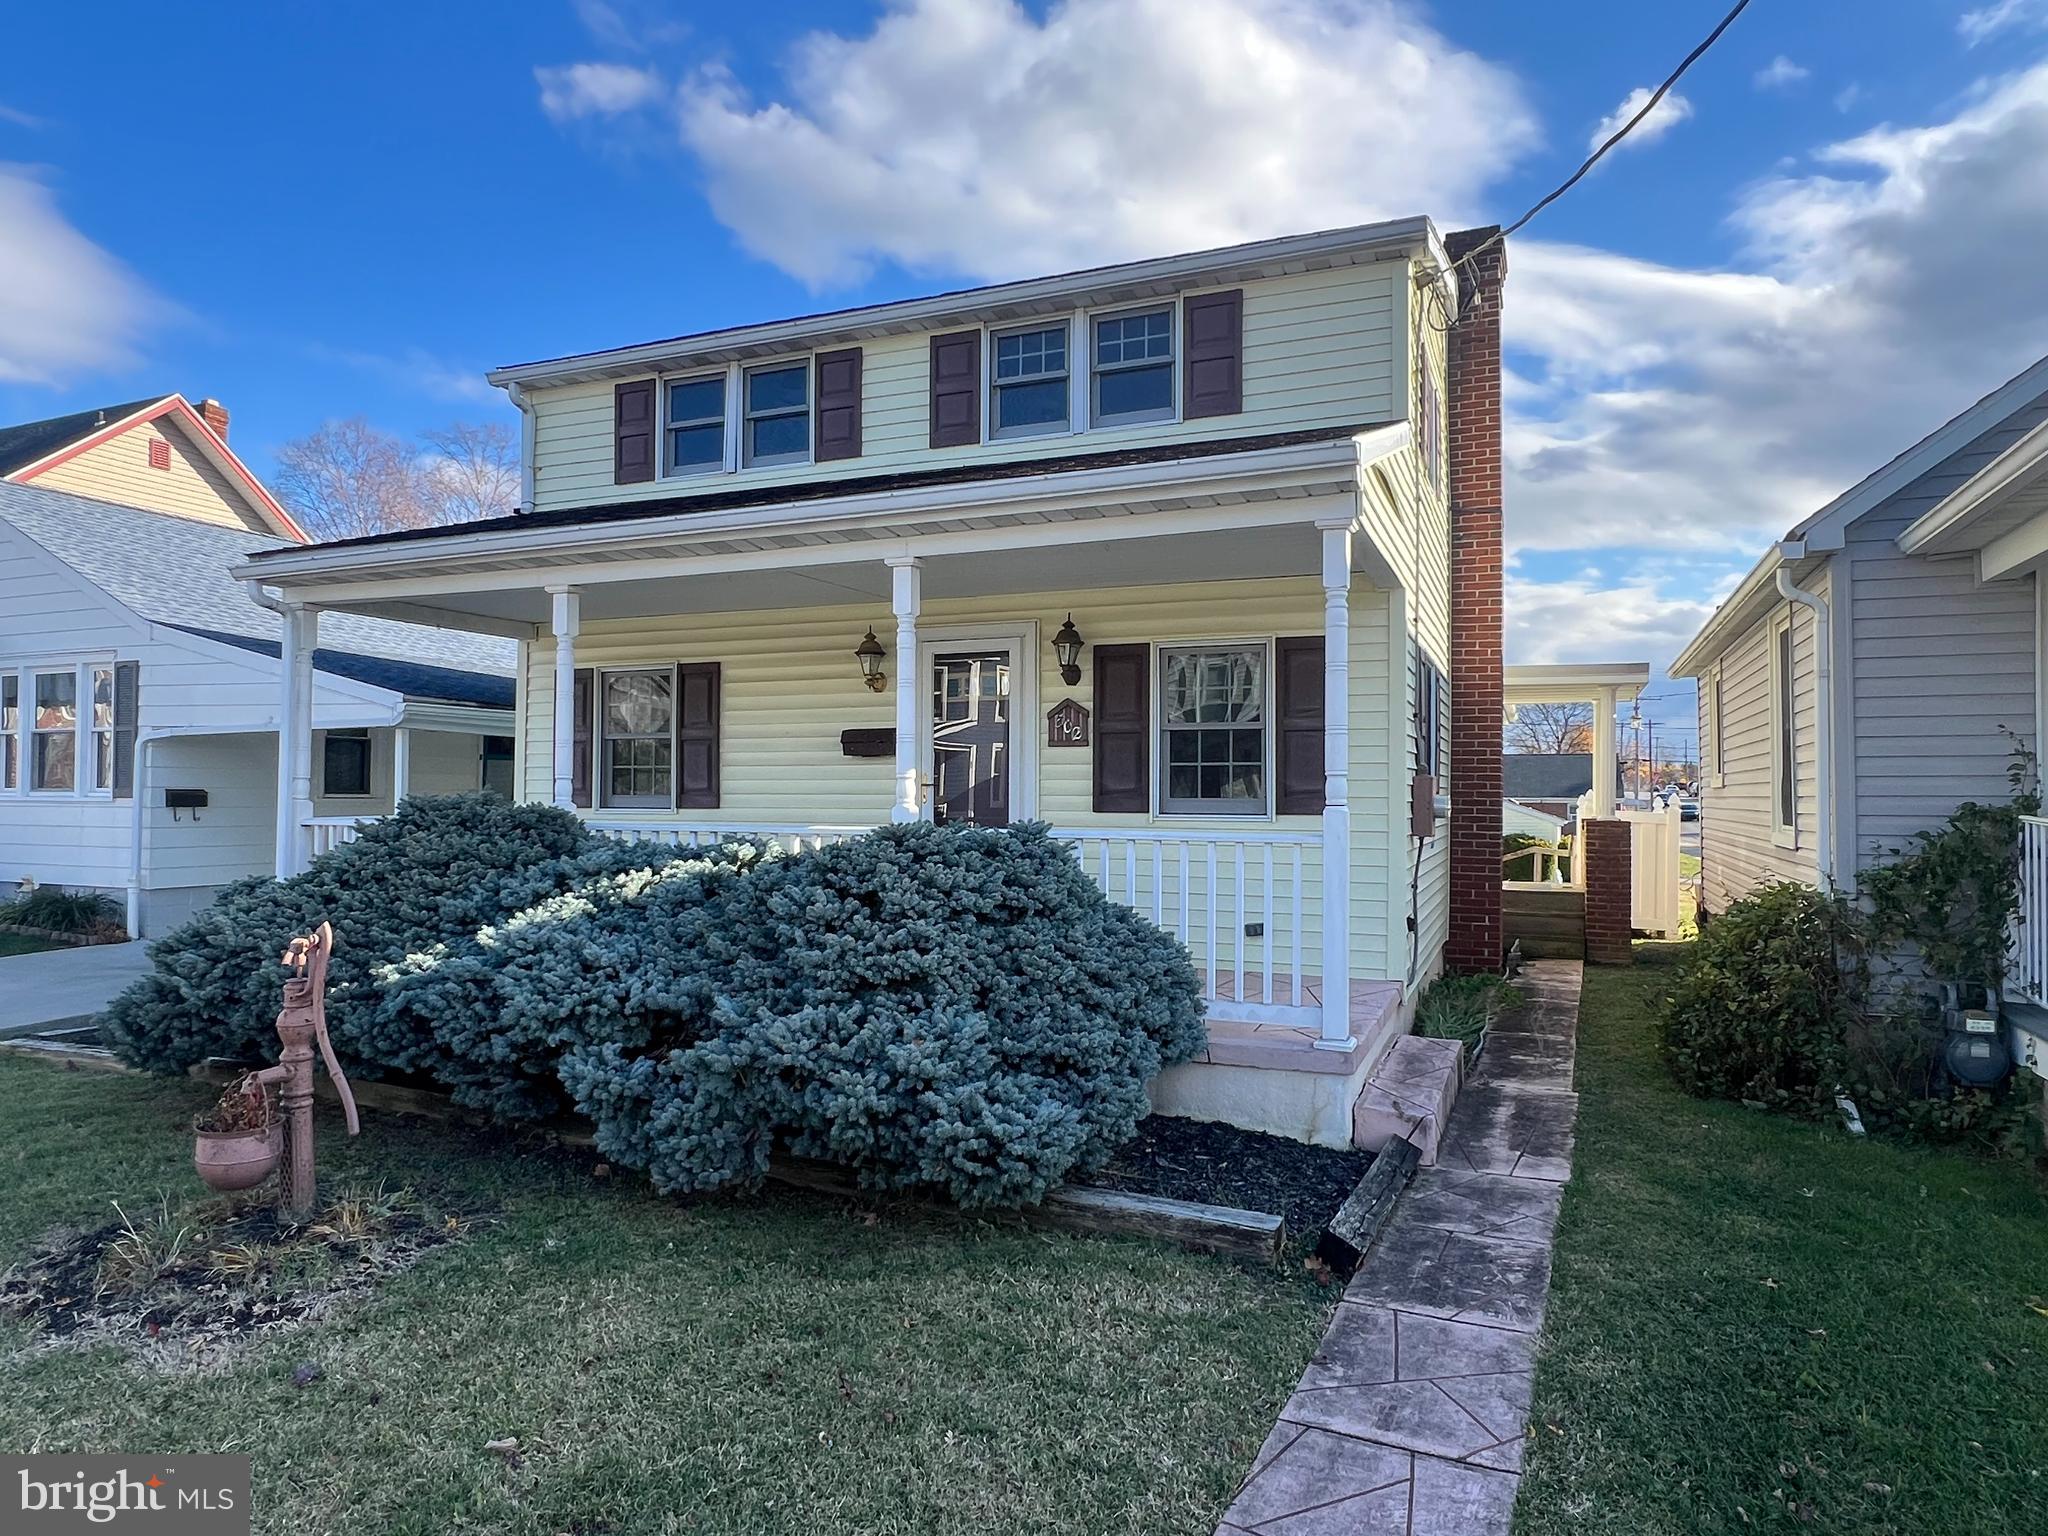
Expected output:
(1222, 1165)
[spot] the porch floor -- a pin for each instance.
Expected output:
(1291, 1047)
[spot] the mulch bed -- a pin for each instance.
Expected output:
(1222, 1165)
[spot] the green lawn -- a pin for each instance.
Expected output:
(22, 944)
(784, 1364)
(1762, 1324)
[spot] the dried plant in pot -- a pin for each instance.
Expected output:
(239, 1142)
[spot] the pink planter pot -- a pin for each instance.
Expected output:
(231, 1160)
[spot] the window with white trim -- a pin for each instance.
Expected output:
(695, 425)
(1432, 427)
(10, 731)
(1784, 732)
(1427, 725)
(1212, 730)
(1029, 381)
(1131, 367)
(776, 428)
(1719, 764)
(636, 748)
(102, 728)
(53, 731)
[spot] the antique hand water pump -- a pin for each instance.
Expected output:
(302, 1025)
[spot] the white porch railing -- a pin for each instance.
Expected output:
(330, 832)
(1246, 904)
(2027, 976)
(1210, 890)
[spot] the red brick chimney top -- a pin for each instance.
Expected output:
(215, 415)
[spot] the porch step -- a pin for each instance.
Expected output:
(1548, 921)
(1409, 1096)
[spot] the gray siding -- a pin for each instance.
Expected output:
(1941, 665)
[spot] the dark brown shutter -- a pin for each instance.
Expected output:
(1214, 379)
(697, 735)
(633, 432)
(839, 404)
(1123, 728)
(1299, 662)
(956, 389)
(127, 705)
(582, 703)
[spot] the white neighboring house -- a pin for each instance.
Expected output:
(1881, 664)
(139, 681)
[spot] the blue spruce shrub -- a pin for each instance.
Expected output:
(952, 1009)
(432, 872)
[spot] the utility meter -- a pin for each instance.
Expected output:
(1975, 1051)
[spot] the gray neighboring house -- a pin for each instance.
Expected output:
(1879, 665)
(1550, 782)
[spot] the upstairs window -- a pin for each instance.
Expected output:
(54, 755)
(777, 429)
(1133, 368)
(637, 753)
(1212, 725)
(696, 425)
(1029, 382)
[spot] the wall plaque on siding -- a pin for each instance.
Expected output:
(1066, 724)
(868, 741)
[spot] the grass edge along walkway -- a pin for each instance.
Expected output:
(1763, 1323)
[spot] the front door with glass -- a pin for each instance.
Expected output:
(971, 738)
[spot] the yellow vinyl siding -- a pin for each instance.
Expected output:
(790, 686)
(1320, 349)
(118, 470)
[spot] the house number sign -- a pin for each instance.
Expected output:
(1066, 725)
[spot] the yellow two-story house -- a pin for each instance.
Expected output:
(1158, 553)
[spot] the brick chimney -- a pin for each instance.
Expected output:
(215, 415)
(1472, 426)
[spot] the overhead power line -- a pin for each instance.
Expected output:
(1612, 139)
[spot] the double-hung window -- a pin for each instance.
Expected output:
(1212, 726)
(1784, 736)
(637, 724)
(777, 428)
(1429, 716)
(10, 731)
(102, 727)
(696, 425)
(54, 731)
(1132, 364)
(1029, 381)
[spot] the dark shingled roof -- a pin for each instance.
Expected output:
(850, 485)
(413, 679)
(1549, 775)
(32, 440)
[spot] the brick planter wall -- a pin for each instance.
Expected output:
(1610, 892)
(1472, 425)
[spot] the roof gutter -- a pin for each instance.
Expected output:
(1823, 709)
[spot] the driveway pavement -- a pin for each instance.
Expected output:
(57, 987)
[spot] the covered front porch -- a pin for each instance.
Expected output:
(1204, 689)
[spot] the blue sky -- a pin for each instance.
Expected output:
(316, 211)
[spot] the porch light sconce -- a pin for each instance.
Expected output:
(869, 654)
(1067, 646)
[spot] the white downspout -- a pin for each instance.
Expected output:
(1823, 709)
(528, 434)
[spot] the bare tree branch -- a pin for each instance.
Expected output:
(1551, 728)
(348, 478)
(470, 470)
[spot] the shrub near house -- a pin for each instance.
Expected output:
(953, 1009)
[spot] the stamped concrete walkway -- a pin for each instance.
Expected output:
(1410, 1420)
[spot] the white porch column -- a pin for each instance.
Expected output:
(1604, 703)
(287, 713)
(566, 621)
(1336, 1032)
(300, 735)
(906, 596)
(401, 765)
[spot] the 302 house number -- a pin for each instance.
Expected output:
(1066, 725)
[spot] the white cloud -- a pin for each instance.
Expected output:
(974, 137)
(1848, 96)
(419, 371)
(1584, 618)
(1779, 74)
(19, 118)
(572, 91)
(1712, 410)
(67, 307)
(2001, 16)
(1667, 115)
